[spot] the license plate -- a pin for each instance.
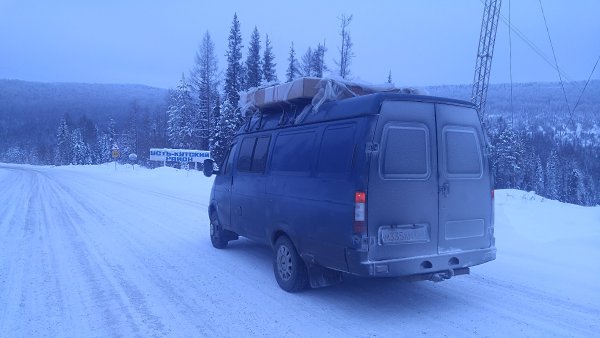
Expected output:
(400, 234)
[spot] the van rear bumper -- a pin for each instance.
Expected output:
(358, 263)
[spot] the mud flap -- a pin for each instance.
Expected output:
(320, 277)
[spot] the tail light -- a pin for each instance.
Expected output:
(360, 212)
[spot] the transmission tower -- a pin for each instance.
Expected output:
(483, 65)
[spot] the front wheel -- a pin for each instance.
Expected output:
(290, 270)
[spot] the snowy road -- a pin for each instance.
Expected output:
(104, 252)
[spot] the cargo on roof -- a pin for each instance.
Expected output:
(315, 90)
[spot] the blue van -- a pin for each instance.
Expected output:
(382, 185)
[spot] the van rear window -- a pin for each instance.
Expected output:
(463, 153)
(293, 152)
(405, 152)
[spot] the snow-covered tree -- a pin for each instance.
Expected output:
(292, 70)
(539, 180)
(268, 66)
(253, 62)
(80, 150)
(180, 123)
(346, 53)
(225, 130)
(63, 142)
(553, 175)
(508, 151)
(216, 118)
(204, 81)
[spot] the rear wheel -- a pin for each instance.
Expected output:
(218, 236)
(290, 270)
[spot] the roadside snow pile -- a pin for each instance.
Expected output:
(535, 218)
(547, 245)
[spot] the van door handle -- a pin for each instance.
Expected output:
(445, 189)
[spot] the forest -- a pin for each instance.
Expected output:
(541, 138)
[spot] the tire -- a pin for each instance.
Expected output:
(218, 236)
(289, 268)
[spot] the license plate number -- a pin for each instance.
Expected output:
(403, 234)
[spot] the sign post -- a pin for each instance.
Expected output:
(115, 153)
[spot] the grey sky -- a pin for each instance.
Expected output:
(421, 42)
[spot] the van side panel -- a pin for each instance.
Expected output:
(315, 205)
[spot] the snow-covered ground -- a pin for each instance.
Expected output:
(94, 251)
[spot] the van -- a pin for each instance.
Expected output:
(384, 185)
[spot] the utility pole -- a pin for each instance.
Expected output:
(485, 52)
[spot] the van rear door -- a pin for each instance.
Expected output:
(465, 200)
(402, 196)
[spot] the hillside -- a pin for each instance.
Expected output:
(537, 145)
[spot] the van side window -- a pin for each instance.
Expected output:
(337, 148)
(462, 152)
(228, 161)
(405, 152)
(261, 150)
(293, 151)
(245, 157)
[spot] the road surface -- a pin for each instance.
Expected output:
(101, 252)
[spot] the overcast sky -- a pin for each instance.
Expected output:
(422, 42)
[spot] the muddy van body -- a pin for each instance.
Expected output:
(382, 185)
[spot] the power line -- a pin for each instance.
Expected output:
(512, 109)
(562, 85)
(532, 45)
(586, 84)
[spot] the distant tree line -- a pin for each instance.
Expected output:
(537, 148)
(557, 163)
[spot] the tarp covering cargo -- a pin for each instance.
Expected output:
(310, 89)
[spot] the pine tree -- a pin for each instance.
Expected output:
(253, 63)
(292, 70)
(79, 149)
(553, 175)
(204, 81)
(389, 79)
(319, 66)
(63, 142)
(225, 131)
(234, 72)
(216, 118)
(268, 66)
(539, 181)
(346, 53)
(508, 151)
(307, 63)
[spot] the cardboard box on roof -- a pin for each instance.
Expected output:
(303, 88)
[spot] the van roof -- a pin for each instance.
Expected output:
(301, 112)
